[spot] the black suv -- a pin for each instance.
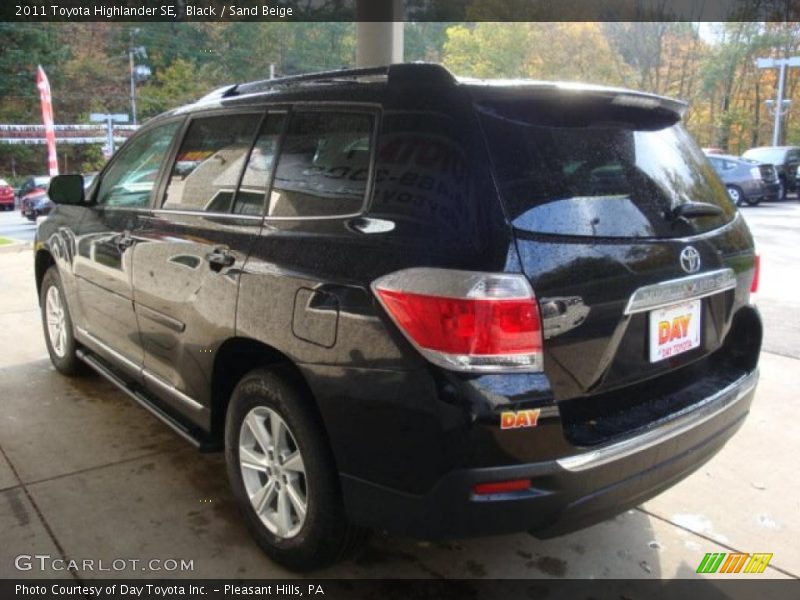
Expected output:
(786, 160)
(402, 300)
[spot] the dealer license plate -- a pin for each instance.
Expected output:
(674, 329)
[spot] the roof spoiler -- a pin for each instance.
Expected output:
(642, 100)
(420, 73)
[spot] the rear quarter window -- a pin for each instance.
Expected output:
(423, 179)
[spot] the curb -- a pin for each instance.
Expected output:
(15, 246)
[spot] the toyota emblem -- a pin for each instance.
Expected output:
(690, 259)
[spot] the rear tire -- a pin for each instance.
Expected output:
(737, 196)
(283, 474)
(57, 324)
(782, 192)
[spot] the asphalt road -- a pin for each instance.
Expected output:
(776, 228)
(16, 227)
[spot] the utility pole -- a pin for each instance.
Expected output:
(133, 33)
(137, 72)
(781, 64)
(109, 120)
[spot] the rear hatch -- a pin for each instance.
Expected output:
(635, 252)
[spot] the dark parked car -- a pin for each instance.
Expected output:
(31, 184)
(786, 160)
(747, 181)
(402, 300)
(34, 201)
(6, 196)
(35, 204)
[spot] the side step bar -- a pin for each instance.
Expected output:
(190, 435)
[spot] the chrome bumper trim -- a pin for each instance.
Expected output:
(667, 429)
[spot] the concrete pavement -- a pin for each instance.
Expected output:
(86, 474)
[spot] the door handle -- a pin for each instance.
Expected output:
(124, 241)
(219, 258)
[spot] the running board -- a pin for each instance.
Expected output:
(198, 441)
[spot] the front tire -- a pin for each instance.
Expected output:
(57, 323)
(282, 473)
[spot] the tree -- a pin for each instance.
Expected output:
(563, 51)
(425, 41)
(180, 83)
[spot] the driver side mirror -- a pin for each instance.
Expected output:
(67, 189)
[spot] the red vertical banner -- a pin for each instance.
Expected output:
(47, 117)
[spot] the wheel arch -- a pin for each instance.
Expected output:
(235, 358)
(42, 262)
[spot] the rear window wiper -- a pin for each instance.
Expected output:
(691, 210)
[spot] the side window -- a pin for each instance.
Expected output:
(323, 166)
(253, 189)
(209, 162)
(729, 165)
(129, 180)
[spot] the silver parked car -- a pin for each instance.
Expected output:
(747, 181)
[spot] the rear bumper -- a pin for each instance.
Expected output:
(761, 190)
(567, 493)
(771, 191)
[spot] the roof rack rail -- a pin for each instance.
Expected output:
(396, 74)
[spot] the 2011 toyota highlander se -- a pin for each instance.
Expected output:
(403, 300)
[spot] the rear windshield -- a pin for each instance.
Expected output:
(587, 167)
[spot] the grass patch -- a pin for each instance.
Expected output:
(4, 241)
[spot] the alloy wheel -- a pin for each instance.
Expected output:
(56, 321)
(273, 472)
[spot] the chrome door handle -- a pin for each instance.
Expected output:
(219, 258)
(124, 241)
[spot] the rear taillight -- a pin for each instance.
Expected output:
(464, 320)
(756, 274)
